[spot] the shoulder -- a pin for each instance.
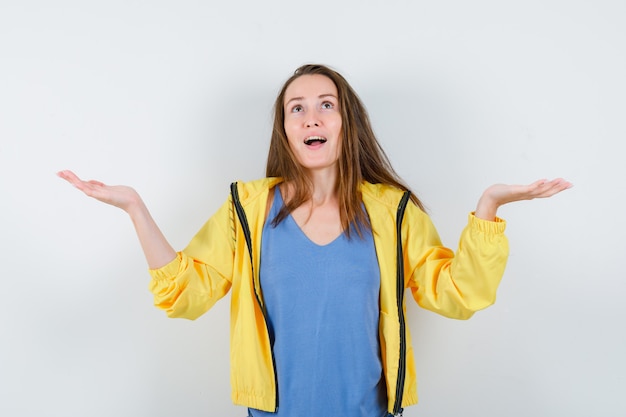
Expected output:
(250, 191)
(382, 194)
(384, 199)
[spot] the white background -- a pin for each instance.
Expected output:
(175, 99)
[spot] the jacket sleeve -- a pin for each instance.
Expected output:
(201, 274)
(454, 285)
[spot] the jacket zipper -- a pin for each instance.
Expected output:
(397, 408)
(241, 214)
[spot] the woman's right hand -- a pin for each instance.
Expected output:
(116, 195)
(156, 248)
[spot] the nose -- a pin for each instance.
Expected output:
(313, 120)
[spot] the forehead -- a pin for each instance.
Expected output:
(310, 86)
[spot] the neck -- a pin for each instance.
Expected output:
(324, 187)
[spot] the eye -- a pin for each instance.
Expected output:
(328, 105)
(297, 109)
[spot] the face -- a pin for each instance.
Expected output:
(313, 122)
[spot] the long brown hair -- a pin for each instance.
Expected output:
(361, 157)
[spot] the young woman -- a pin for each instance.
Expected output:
(318, 256)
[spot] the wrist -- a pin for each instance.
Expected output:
(486, 208)
(135, 208)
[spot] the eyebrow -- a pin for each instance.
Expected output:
(320, 96)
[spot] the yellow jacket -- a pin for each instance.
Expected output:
(218, 259)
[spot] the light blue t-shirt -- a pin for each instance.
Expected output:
(323, 308)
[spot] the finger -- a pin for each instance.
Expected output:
(538, 184)
(66, 174)
(553, 187)
(70, 177)
(561, 185)
(544, 183)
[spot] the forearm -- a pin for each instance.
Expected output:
(156, 248)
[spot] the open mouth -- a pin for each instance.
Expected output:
(314, 139)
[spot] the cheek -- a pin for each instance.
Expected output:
(291, 137)
(291, 125)
(337, 124)
(289, 131)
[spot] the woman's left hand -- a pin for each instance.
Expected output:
(500, 194)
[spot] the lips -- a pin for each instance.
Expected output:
(314, 139)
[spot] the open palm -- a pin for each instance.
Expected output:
(116, 195)
(503, 194)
